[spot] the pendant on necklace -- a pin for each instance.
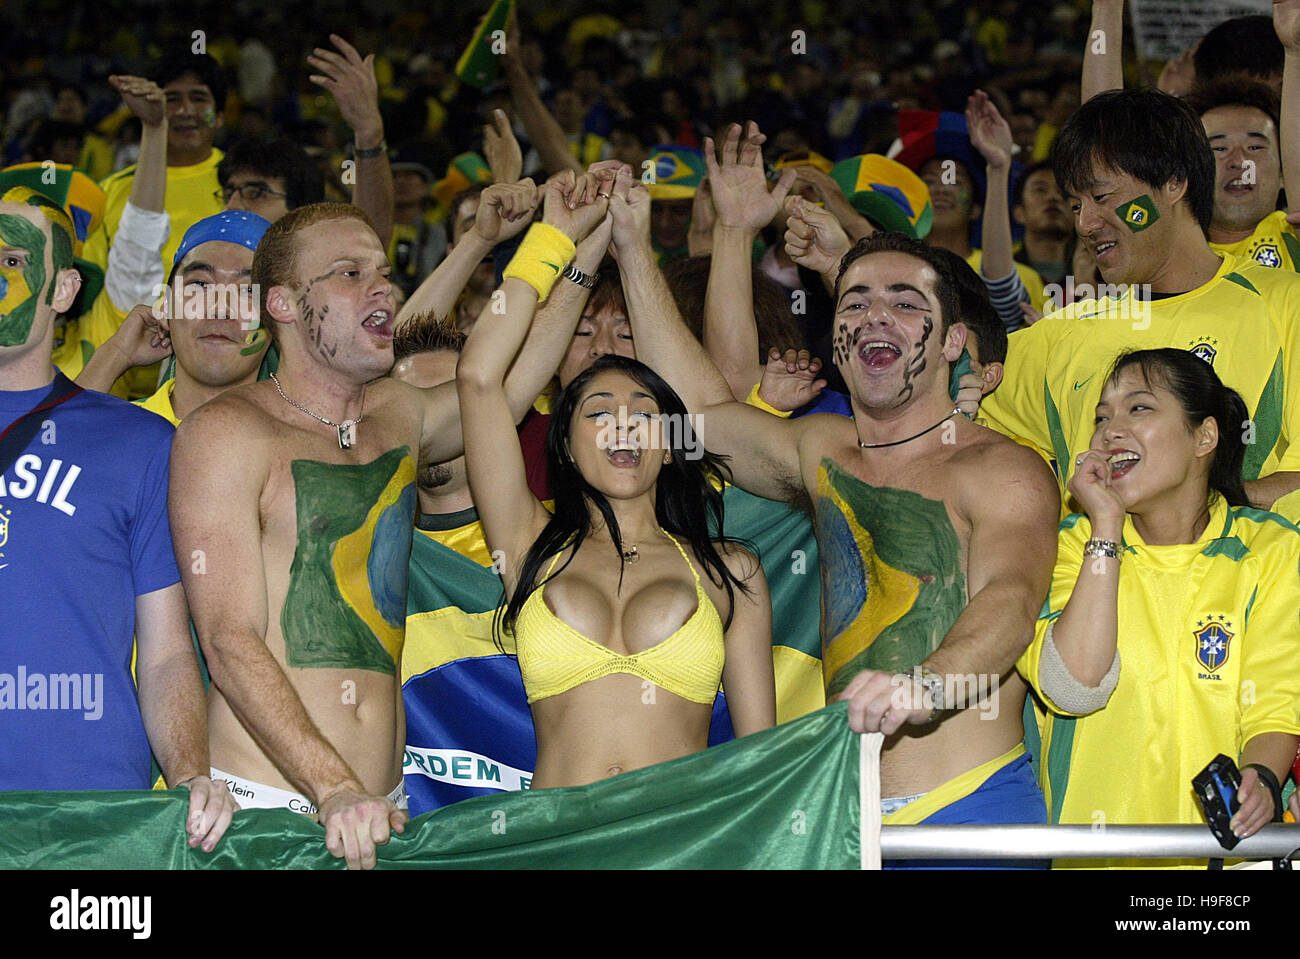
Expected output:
(630, 554)
(347, 434)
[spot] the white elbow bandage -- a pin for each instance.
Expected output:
(1064, 689)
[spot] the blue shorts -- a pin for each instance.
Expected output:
(1010, 795)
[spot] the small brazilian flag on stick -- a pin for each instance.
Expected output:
(1138, 214)
(478, 64)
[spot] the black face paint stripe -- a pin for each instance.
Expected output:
(916, 365)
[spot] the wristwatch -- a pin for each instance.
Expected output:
(933, 684)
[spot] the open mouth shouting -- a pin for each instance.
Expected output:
(624, 456)
(379, 324)
(878, 355)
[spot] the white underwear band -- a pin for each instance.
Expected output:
(253, 795)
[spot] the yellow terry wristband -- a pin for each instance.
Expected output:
(540, 258)
(753, 400)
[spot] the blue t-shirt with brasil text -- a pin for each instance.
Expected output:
(83, 532)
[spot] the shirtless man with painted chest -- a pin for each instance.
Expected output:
(936, 536)
(293, 504)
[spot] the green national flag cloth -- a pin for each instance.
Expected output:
(785, 798)
(477, 66)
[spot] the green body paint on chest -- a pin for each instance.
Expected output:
(346, 603)
(892, 583)
(22, 287)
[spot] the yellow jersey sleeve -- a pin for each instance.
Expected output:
(1285, 308)
(1270, 669)
(1016, 408)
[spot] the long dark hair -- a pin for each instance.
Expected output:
(1202, 394)
(686, 504)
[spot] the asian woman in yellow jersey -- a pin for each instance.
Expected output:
(1170, 634)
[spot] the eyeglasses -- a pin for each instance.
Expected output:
(251, 191)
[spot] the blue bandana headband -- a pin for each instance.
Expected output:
(229, 226)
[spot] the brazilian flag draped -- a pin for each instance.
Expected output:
(785, 798)
(469, 730)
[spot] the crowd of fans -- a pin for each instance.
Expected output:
(728, 212)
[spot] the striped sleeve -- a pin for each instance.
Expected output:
(1006, 295)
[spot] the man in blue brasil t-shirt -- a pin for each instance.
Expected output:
(86, 559)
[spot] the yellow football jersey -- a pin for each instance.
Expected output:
(1242, 322)
(1273, 243)
(1209, 641)
(77, 339)
(191, 196)
(161, 403)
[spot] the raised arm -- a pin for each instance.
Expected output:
(501, 150)
(853, 223)
(438, 292)
(991, 136)
(512, 517)
(543, 129)
(547, 339)
(351, 81)
(1286, 21)
(1103, 51)
(743, 207)
(135, 269)
(218, 471)
(142, 339)
(814, 239)
(763, 449)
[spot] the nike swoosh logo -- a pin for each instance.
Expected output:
(551, 265)
(1078, 386)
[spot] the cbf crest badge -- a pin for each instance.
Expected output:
(1206, 348)
(1267, 254)
(1213, 642)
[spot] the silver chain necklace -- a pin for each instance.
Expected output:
(347, 429)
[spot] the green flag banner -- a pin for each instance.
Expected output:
(785, 798)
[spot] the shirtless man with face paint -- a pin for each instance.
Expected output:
(86, 560)
(299, 495)
(936, 536)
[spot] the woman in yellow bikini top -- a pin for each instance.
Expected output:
(621, 641)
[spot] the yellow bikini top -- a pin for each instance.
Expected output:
(554, 657)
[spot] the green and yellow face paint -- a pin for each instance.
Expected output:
(1138, 214)
(20, 282)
